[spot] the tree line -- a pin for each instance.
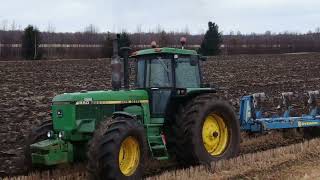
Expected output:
(33, 44)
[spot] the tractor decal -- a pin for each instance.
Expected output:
(301, 124)
(113, 102)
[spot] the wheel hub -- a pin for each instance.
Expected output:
(215, 135)
(129, 156)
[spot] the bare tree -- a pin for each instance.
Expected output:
(92, 29)
(186, 30)
(13, 25)
(139, 32)
(51, 28)
(163, 39)
(4, 25)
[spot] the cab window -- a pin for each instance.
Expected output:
(187, 72)
(159, 72)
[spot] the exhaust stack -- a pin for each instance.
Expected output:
(116, 66)
(125, 54)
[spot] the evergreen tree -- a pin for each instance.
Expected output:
(212, 40)
(30, 43)
(124, 40)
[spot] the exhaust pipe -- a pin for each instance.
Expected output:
(116, 66)
(125, 54)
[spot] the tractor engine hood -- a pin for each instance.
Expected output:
(102, 97)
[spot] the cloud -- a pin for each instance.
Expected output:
(173, 15)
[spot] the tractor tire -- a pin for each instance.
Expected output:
(117, 150)
(204, 130)
(36, 135)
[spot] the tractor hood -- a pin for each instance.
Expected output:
(96, 96)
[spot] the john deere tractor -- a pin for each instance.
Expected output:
(168, 114)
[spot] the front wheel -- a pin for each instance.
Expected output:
(117, 150)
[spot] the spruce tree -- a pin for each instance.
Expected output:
(30, 43)
(124, 40)
(211, 42)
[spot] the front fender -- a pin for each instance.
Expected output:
(123, 114)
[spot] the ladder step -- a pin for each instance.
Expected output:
(158, 147)
(154, 137)
(162, 158)
(154, 125)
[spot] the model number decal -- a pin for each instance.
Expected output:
(130, 101)
(112, 102)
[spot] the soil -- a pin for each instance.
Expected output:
(27, 87)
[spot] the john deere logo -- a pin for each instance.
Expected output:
(59, 113)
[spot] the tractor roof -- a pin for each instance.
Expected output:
(164, 50)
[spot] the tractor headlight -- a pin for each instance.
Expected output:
(181, 92)
(50, 134)
(61, 134)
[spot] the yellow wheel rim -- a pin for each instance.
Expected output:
(129, 156)
(215, 135)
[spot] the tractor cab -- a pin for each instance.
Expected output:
(166, 72)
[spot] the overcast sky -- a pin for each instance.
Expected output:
(173, 15)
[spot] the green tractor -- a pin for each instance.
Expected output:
(169, 114)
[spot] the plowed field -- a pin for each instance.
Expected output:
(26, 88)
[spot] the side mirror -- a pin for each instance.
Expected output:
(193, 60)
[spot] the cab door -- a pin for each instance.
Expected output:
(160, 82)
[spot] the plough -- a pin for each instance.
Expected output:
(253, 118)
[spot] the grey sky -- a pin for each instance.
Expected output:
(115, 15)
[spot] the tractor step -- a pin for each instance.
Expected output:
(156, 138)
(158, 147)
(159, 151)
(156, 141)
(162, 158)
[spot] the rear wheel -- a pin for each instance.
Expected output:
(117, 150)
(205, 130)
(215, 134)
(36, 135)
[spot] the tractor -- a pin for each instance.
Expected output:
(169, 113)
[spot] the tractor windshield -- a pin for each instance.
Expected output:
(157, 71)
